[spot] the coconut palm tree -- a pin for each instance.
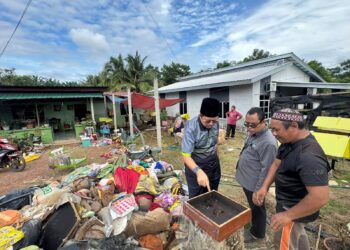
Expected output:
(135, 70)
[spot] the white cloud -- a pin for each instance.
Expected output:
(311, 29)
(90, 41)
(57, 36)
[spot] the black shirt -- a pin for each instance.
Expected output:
(303, 163)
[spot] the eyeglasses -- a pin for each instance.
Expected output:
(251, 125)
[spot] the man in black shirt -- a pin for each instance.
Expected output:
(300, 172)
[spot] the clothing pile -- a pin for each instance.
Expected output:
(126, 204)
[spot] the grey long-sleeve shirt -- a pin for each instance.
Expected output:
(255, 160)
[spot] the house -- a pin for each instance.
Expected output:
(244, 85)
(51, 112)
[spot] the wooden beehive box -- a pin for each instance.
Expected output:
(216, 214)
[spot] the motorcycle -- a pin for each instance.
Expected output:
(10, 156)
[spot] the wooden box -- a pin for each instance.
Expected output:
(216, 214)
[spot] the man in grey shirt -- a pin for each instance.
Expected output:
(256, 157)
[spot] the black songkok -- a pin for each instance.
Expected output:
(210, 107)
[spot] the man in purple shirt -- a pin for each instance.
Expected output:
(232, 117)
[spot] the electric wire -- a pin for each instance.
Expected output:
(14, 31)
(159, 29)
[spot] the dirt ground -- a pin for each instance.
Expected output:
(332, 215)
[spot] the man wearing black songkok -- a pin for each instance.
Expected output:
(199, 149)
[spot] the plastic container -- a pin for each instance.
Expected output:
(86, 142)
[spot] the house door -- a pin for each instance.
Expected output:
(79, 111)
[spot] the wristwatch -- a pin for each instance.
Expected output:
(195, 170)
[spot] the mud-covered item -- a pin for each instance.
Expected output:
(91, 229)
(31, 230)
(81, 183)
(49, 195)
(147, 184)
(91, 205)
(216, 214)
(153, 222)
(118, 242)
(106, 193)
(151, 242)
(9, 217)
(144, 201)
(17, 199)
(59, 227)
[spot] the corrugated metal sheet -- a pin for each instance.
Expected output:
(222, 79)
(28, 96)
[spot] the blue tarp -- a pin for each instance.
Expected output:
(117, 99)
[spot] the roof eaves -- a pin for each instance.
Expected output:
(306, 68)
(247, 64)
(208, 86)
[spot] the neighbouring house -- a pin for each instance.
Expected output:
(52, 112)
(246, 85)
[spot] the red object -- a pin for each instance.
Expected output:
(154, 206)
(147, 102)
(147, 196)
(126, 180)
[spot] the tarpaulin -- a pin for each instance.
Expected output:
(147, 102)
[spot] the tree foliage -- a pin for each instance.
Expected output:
(224, 64)
(257, 54)
(8, 77)
(170, 73)
(341, 73)
(321, 70)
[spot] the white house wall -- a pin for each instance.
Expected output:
(290, 74)
(173, 110)
(242, 97)
(194, 101)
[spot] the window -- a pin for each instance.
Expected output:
(183, 105)
(225, 106)
(183, 108)
(222, 95)
(265, 105)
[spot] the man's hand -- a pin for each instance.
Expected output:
(259, 196)
(279, 220)
(202, 179)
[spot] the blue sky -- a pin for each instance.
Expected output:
(67, 40)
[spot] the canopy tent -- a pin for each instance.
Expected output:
(147, 102)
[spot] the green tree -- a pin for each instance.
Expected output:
(135, 70)
(114, 72)
(321, 70)
(171, 72)
(119, 73)
(257, 54)
(224, 64)
(341, 73)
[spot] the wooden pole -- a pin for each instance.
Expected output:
(156, 107)
(131, 122)
(37, 114)
(92, 109)
(105, 103)
(114, 113)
